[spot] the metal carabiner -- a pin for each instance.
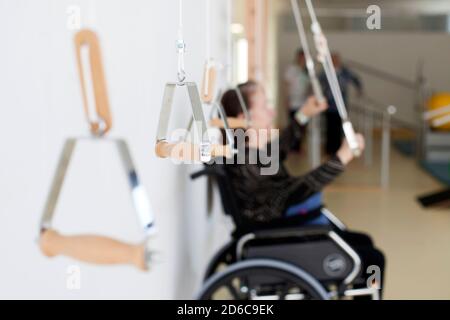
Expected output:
(181, 49)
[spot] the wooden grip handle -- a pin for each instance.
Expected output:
(209, 83)
(185, 151)
(89, 39)
(233, 123)
(92, 249)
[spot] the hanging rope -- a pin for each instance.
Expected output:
(208, 28)
(207, 90)
(181, 45)
(317, 89)
(91, 15)
(258, 25)
(229, 63)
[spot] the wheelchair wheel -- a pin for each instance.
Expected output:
(262, 279)
(222, 259)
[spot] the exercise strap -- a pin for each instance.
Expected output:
(324, 56)
(315, 84)
(317, 89)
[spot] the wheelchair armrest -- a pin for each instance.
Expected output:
(297, 232)
(207, 171)
(333, 219)
(280, 233)
(199, 174)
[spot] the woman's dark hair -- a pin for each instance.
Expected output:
(230, 100)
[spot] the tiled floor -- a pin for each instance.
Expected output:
(416, 241)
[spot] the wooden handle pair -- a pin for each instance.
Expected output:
(93, 249)
(185, 151)
(87, 38)
(209, 82)
(233, 123)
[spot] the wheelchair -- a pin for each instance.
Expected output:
(281, 263)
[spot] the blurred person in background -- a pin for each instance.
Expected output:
(297, 90)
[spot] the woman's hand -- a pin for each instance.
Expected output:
(345, 154)
(313, 107)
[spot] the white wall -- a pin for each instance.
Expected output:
(40, 106)
(396, 53)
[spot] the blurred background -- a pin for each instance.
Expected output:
(404, 74)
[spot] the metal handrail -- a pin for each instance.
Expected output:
(378, 108)
(383, 74)
(387, 119)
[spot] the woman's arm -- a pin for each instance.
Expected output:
(295, 129)
(320, 177)
(316, 180)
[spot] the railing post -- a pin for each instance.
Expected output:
(315, 142)
(368, 134)
(386, 146)
(420, 109)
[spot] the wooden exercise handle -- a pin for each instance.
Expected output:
(185, 151)
(233, 123)
(209, 82)
(87, 38)
(92, 249)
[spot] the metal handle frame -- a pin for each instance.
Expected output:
(139, 196)
(197, 115)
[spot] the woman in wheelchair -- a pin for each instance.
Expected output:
(269, 199)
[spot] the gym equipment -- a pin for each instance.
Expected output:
(300, 263)
(315, 84)
(439, 199)
(436, 141)
(91, 248)
(324, 57)
(439, 111)
(185, 151)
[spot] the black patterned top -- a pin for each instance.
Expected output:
(263, 198)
